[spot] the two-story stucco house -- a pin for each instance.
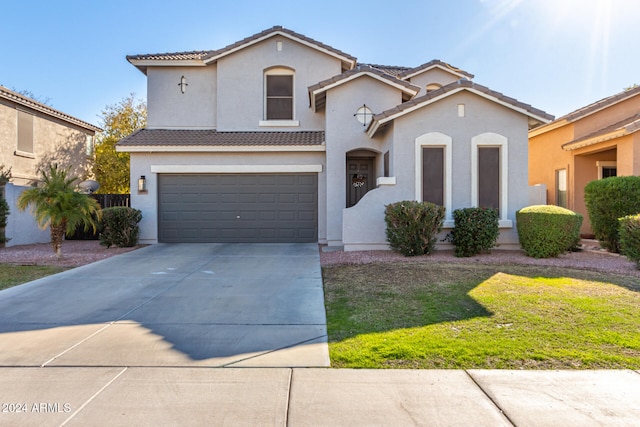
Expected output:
(281, 138)
(596, 141)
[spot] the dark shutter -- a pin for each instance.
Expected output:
(489, 177)
(433, 175)
(25, 132)
(279, 97)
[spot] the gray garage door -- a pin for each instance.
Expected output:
(229, 208)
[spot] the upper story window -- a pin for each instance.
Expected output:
(279, 97)
(279, 94)
(25, 134)
(433, 86)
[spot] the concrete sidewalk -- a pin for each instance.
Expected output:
(117, 396)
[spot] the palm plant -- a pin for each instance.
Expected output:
(58, 206)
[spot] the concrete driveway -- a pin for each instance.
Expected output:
(173, 305)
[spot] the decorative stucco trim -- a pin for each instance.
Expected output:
(436, 139)
(220, 148)
(279, 123)
(386, 180)
(236, 168)
(490, 139)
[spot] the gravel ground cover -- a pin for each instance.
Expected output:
(80, 252)
(75, 253)
(592, 257)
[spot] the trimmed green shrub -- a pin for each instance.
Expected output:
(547, 231)
(119, 226)
(476, 230)
(412, 226)
(607, 200)
(630, 237)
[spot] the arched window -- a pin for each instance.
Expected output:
(279, 94)
(433, 86)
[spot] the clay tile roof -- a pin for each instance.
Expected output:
(392, 70)
(176, 56)
(598, 105)
(432, 63)
(213, 138)
(626, 126)
(37, 106)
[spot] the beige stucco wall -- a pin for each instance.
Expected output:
(54, 141)
(241, 84)
(434, 75)
(345, 133)
(482, 117)
(168, 107)
(608, 116)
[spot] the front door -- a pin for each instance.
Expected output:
(360, 178)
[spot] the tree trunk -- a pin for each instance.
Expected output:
(57, 234)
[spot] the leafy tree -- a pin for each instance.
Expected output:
(58, 206)
(111, 168)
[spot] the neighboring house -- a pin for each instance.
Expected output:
(280, 138)
(33, 136)
(594, 142)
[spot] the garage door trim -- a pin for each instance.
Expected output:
(312, 168)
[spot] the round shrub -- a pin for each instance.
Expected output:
(476, 230)
(119, 226)
(412, 226)
(547, 231)
(630, 237)
(607, 200)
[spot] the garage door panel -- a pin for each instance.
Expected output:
(205, 208)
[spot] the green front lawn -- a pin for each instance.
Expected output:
(424, 315)
(12, 275)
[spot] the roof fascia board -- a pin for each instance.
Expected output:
(595, 140)
(286, 35)
(219, 148)
(167, 63)
(548, 128)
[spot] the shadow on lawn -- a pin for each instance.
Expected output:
(362, 299)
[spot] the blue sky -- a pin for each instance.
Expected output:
(557, 55)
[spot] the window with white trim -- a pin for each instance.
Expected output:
(279, 94)
(434, 171)
(561, 188)
(489, 173)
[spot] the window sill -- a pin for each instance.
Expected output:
(24, 154)
(279, 123)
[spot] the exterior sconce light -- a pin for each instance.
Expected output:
(142, 184)
(183, 84)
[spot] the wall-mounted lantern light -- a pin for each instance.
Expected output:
(183, 84)
(142, 184)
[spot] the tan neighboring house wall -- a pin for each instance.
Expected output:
(602, 136)
(50, 136)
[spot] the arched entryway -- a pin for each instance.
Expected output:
(360, 175)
